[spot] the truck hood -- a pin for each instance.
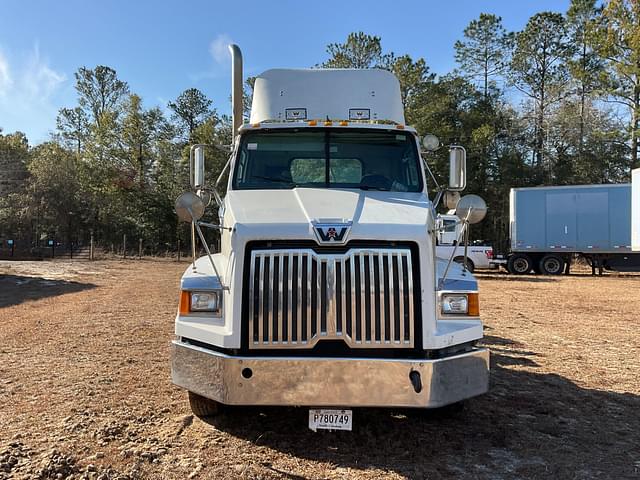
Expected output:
(304, 206)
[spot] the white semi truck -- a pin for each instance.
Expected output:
(326, 292)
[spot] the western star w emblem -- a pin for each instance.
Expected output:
(332, 233)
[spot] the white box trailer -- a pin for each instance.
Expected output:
(551, 225)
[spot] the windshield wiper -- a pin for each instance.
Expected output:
(374, 187)
(274, 179)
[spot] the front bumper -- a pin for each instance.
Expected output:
(311, 381)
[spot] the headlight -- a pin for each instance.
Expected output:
(460, 304)
(206, 302)
(455, 304)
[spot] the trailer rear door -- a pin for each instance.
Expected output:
(561, 220)
(592, 208)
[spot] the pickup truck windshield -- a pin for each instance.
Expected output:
(327, 158)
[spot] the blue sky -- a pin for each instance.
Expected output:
(161, 48)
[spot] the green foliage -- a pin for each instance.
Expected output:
(358, 51)
(616, 36)
(538, 70)
(191, 108)
(484, 52)
(100, 91)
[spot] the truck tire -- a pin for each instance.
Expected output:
(551, 265)
(470, 266)
(519, 264)
(203, 407)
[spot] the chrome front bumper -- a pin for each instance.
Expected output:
(312, 381)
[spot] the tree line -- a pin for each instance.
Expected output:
(555, 103)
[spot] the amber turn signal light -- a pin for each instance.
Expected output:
(185, 302)
(474, 305)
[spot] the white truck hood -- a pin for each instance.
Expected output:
(375, 215)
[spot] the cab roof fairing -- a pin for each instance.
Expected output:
(327, 94)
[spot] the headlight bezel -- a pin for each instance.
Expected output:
(192, 304)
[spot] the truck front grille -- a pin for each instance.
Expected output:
(299, 297)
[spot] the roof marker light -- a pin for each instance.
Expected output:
(344, 123)
(400, 127)
(313, 123)
(328, 123)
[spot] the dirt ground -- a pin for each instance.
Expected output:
(85, 389)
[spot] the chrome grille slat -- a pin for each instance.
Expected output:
(372, 299)
(270, 292)
(288, 312)
(400, 296)
(308, 270)
(279, 335)
(261, 301)
(363, 306)
(299, 300)
(392, 305)
(381, 286)
(293, 308)
(342, 315)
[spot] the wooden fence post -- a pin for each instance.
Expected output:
(124, 246)
(140, 249)
(91, 248)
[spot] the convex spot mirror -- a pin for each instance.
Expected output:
(471, 208)
(189, 207)
(457, 168)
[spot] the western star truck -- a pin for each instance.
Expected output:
(326, 292)
(549, 226)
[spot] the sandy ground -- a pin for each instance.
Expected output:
(85, 390)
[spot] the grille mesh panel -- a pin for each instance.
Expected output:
(363, 297)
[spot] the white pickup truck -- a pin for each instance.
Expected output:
(448, 243)
(326, 292)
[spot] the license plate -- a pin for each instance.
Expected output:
(323, 419)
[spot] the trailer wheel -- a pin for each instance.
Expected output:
(203, 407)
(470, 266)
(552, 265)
(519, 264)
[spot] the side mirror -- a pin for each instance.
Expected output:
(198, 167)
(457, 168)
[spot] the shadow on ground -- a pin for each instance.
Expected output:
(507, 277)
(16, 289)
(529, 425)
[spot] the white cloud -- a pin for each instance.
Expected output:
(39, 80)
(219, 50)
(5, 76)
(29, 88)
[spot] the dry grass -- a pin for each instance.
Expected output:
(85, 390)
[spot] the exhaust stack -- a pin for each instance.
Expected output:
(236, 88)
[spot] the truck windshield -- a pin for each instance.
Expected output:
(355, 159)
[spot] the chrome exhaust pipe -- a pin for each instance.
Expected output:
(236, 89)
